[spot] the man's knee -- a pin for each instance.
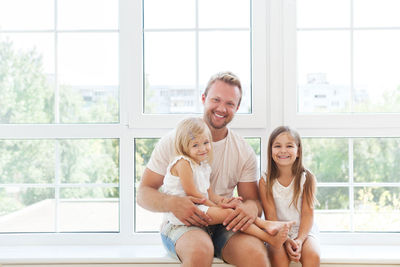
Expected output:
(195, 248)
(246, 250)
(256, 251)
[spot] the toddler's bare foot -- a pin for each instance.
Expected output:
(280, 238)
(273, 227)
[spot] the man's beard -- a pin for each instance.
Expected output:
(217, 127)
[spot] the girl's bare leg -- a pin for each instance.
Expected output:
(278, 257)
(310, 253)
(273, 227)
(218, 215)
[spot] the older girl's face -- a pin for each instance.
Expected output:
(284, 150)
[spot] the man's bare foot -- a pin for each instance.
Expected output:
(273, 227)
(280, 238)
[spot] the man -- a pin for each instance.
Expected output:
(234, 165)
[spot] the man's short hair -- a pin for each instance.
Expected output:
(227, 77)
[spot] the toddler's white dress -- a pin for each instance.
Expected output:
(173, 186)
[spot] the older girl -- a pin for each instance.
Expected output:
(287, 191)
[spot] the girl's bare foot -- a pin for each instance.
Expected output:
(273, 227)
(280, 238)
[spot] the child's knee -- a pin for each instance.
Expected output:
(311, 256)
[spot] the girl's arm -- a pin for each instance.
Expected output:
(267, 202)
(220, 200)
(306, 220)
(307, 207)
(183, 170)
(216, 199)
(294, 247)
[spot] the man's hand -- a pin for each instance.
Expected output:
(243, 216)
(293, 249)
(186, 211)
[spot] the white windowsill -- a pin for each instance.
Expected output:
(331, 254)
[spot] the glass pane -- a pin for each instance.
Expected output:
(333, 198)
(89, 209)
(170, 73)
(41, 44)
(27, 78)
(89, 161)
(377, 160)
(376, 13)
(87, 14)
(224, 14)
(88, 76)
(27, 209)
(26, 14)
(255, 143)
(323, 71)
(333, 221)
(215, 54)
(327, 158)
(377, 209)
(163, 14)
(145, 221)
(323, 13)
(376, 79)
(27, 161)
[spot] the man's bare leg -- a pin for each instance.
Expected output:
(244, 250)
(195, 248)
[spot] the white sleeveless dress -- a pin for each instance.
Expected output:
(286, 211)
(173, 186)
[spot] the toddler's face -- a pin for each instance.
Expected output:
(199, 148)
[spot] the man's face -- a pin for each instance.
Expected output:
(220, 104)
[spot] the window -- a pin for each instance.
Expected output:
(341, 93)
(86, 92)
(59, 111)
(185, 42)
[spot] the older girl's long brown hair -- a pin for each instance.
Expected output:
(297, 170)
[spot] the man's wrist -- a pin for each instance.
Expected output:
(169, 202)
(252, 206)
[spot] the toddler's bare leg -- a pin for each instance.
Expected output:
(273, 227)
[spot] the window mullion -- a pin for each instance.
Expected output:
(351, 185)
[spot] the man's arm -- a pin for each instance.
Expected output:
(150, 198)
(247, 211)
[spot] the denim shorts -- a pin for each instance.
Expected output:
(170, 233)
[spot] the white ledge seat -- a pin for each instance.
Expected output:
(155, 255)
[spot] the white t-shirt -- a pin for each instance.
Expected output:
(234, 161)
